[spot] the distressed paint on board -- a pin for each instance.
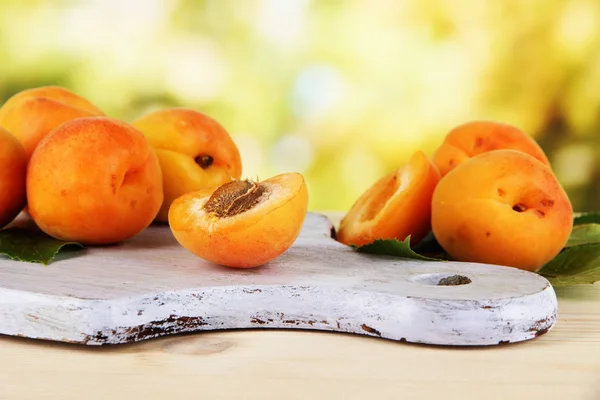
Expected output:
(150, 286)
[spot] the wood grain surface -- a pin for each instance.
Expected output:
(276, 364)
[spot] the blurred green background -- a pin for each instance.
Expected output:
(341, 91)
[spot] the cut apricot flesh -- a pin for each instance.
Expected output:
(395, 207)
(241, 224)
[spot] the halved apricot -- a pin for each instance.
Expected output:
(396, 206)
(477, 137)
(241, 224)
(502, 207)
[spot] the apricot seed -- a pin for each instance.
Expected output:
(241, 224)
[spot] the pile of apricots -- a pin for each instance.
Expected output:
(488, 194)
(86, 177)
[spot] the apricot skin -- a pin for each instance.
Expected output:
(13, 170)
(396, 206)
(31, 114)
(246, 240)
(181, 137)
(477, 137)
(95, 180)
(502, 207)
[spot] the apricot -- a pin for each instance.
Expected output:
(194, 150)
(31, 114)
(502, 207)
(241, 224)
(13, 170)
(477, 137)
(394, 207)
(94, 180)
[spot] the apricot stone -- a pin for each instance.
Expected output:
(31, 114)
(194, 150)
(396, 206)
(477, 137)
(241, 224)
(502, 207)
(13, 170)
(95, 180)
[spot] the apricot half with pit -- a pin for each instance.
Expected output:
(194, 150)
(502, 207)
(241, 224)
(397, 206)
(477, 137)
(13, 170)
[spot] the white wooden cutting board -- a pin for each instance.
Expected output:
(150, 286)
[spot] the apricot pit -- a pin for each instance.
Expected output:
(242, 223)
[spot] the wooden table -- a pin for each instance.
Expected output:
(267, 364)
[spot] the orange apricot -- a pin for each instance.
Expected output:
(194, 150)
(94, 180)
(502, 207)
(241, 224)
(13, 169)
(394, 207)
(477, 137)
(31, 114)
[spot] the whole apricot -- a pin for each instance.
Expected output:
(394, 207)
(94, 180)
(241, 224)
(31, 114)
(477, 137)
(13, 170)
(194, 150)
(502, 207)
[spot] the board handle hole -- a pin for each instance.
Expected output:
(454, 280)
(442, 279)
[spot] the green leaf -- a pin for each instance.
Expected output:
(31, 245)
(583, 234)
(393, 247)
(574, 265)
(586, 218)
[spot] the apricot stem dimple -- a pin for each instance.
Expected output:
(204, 161)
(234, 198)
(520, 207)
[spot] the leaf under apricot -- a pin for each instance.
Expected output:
(30, 245)
(575, 265)
(578, 262)
(583, 234)
(394, 247)
(586, 218)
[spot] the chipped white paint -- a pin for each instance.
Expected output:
(150, 286)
